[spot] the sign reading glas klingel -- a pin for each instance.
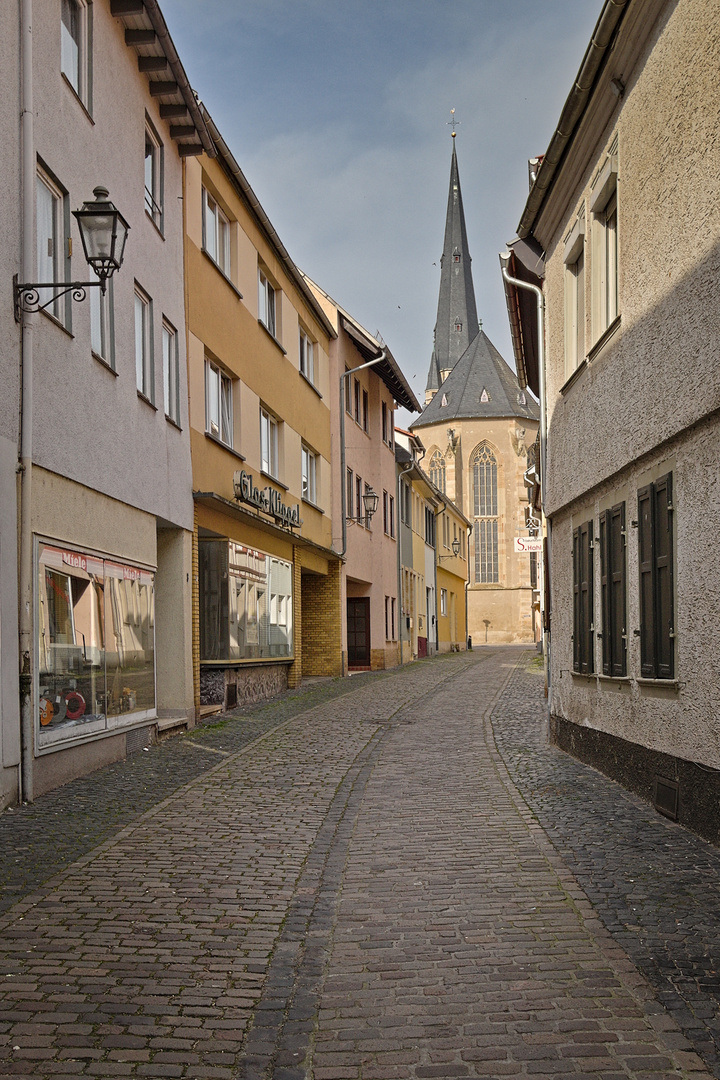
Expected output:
(266, 500)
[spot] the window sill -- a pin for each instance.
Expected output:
(603, 339)
(147, 400)
(154, 223)
(56, 322)
(272, 337)
(582, 367)
(314, 505)
(585, 676)
(614, 678)
(249, 660)
(172, 422)
(310, 383)
(224, 445)
(105, 363)
(222, 274)
(77, 97)
(666, 684)
(269, 476)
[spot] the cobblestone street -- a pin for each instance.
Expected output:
(388, 876)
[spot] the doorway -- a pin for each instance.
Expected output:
(358, 631)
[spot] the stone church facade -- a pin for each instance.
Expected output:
(478, 428)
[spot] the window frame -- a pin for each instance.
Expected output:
(57, 270)
(349, 493)
(144, 361)
(308, 476)
(154, 195)
(267, 303)
(443, 602)
(365, 411)
(102, 321)
(171, 372)
(486, 516)
(80, 82)
(574, 259)
(269, 443)
(306, 356)
(215, 223)
(605, 246)
(223, 395)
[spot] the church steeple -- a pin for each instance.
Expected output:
(457, 322)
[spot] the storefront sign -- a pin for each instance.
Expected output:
(72, 558)
(528, 543)
(266, 500)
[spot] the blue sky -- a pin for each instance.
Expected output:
(338, 110)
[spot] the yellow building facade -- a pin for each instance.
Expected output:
(266, 582)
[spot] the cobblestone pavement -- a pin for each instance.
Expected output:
(343, 884)
(655, 885)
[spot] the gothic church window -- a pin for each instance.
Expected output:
(485, 511)
(437, 471)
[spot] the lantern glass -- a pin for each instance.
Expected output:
(103, 231)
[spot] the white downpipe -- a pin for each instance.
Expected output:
(504, 259)
(27, 133)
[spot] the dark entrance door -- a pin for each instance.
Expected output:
(358, 631)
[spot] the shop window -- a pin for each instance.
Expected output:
(96, 644)
(246, 602)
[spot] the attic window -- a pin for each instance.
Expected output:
(484, 396)
(522, 400)
(443, 401)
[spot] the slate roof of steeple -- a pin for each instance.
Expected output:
(481, 385)
(456, 300)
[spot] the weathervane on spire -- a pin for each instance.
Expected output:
(452, 124)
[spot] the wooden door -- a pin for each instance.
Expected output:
(358, 631)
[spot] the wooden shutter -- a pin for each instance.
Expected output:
(663, 555)
(577, 621)
(617, 590)
(583, 599)
(646, 560)
(605, 592)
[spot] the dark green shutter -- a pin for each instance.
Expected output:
(583, 599)
(663, 553)
(605, 591)
(646, 561)
(577, 622)
(617, 590)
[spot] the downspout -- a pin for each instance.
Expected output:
(467, 585)
(437, 597)
(398, 496)
(25, 569)
(504, 261)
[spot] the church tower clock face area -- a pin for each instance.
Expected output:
(479, 429)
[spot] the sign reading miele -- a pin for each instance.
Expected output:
(265, 499)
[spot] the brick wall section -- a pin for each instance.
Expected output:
(321, 623)
(196, 618)
(296, 668)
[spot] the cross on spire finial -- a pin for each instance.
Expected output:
(452, 123)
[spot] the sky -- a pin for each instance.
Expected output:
(338, 112)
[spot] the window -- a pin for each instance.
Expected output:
(216, 233)
(406, 503)
(74, 47)
(485, 508)
(385, 512)
(358, 498)
(583, 629)
(365, 410)
(51, 246)
(349, 490)
(392, 618)
(348, 392)
(266, 303)
(429, 526)
(218, 404)
(655, 557)
(153, 175)
(389, 514)
(612, 590)
(603, 203)
(171, 372)
(102, 340)
(268, 444)
(309, 470)
(307, 357)
(437, 471)
(443, 601)
(246, 602)
(357, 401)
(575, 296)
(143, 345)
(384, 412)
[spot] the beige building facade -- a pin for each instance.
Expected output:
(628, 223)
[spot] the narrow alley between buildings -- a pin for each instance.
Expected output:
(388, 876)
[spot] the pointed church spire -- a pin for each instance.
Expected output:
(457, 321)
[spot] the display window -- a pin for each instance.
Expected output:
(96, 644)
(245, 602)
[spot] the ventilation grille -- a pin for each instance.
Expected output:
(138, 740)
